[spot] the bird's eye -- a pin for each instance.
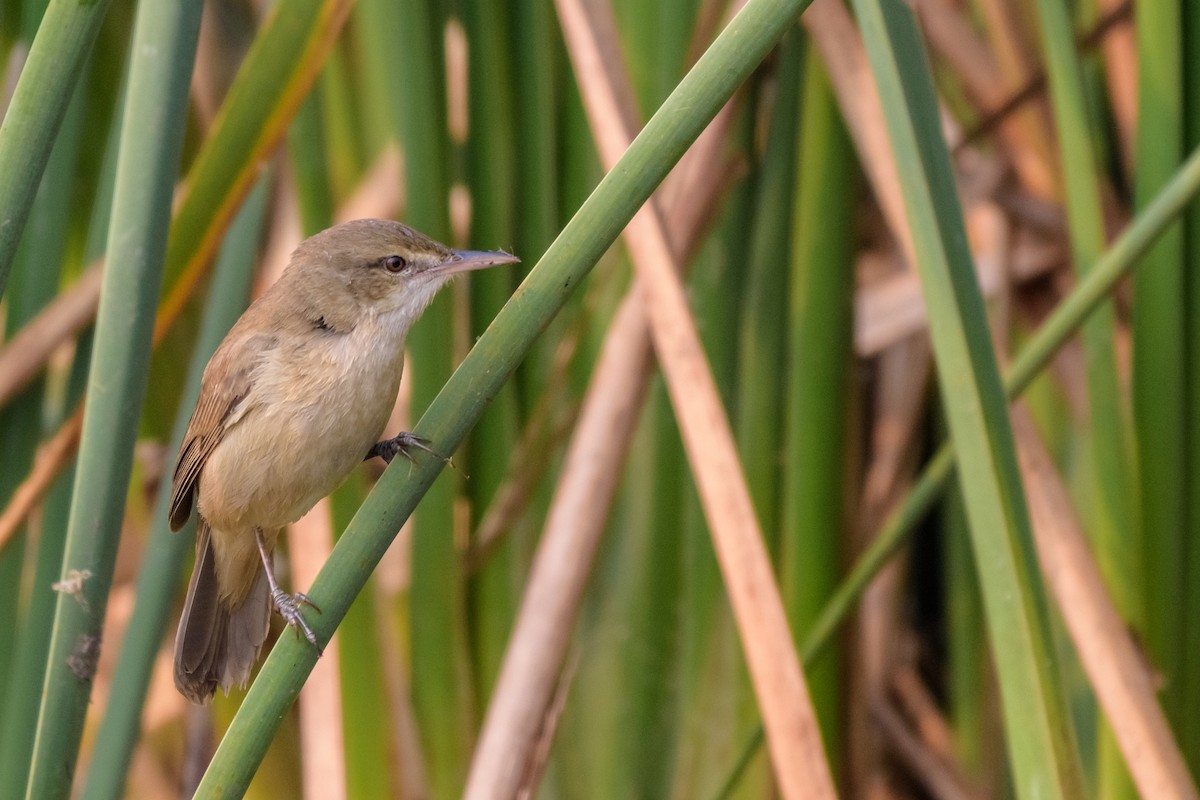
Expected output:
(394, 264)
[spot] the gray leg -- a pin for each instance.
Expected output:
(288, 605)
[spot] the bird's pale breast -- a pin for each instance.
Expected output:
(312, 415)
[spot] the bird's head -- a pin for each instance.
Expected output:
(376, 267)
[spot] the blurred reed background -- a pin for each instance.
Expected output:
(1010, 176)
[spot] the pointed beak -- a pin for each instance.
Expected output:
(467, 260)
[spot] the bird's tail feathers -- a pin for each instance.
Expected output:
(216, 645)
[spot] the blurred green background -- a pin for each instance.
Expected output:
(1020, 151)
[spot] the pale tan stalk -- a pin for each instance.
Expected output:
(1119, 676)
(840, 44)
(322, 746)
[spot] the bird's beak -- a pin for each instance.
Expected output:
(467, 260)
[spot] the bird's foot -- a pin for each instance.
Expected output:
(288, 606)
(405, 444)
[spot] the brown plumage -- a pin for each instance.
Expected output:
(296, 395)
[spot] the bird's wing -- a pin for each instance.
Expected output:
(221, 399)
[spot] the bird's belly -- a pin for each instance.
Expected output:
(273, 466)
(271, 473)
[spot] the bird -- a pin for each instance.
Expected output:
(299, 392)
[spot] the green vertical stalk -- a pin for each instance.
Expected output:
(655, 38)
(158, 578)
(35, 634)
(35, 279)
(164, 50)
(56, 508)
(347, 130)
(1157, 348)
(367, 733)
(308, 157)
(440, 668)
(965, 642)
(441, 680)
(760, 262)
(39, 619)
(761, 338)
(1040, 741)
(1111, 521)
(1159, 366)
(818, 391)
(535, 58)
(491, 178)
(640, 756)
(306, 148)
(38, 105)
(1157, 351)
(1189, 630)
(12, 561)
(536, 88)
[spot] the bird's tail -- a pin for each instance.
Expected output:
(217, 645)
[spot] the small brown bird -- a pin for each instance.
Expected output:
(297, 394)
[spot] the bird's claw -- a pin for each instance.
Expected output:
(288, 606)
(404, 444)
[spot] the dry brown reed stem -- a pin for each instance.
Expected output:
(197, 748)
(1121, 75)
(708, 23)
(1013, 44)
(322, 746)
(1033, 87)
(51, 457)
(841, 47)
(380, 193)
(147, 777)
(540, 756)
(12, 71)
(1014, 48)
(889, 310)
(164, 705)
(553, 416)
(793, 736)
(1118, 675)
(226, 32)
(373, 198)
(919, 705)
(953, 37)
(940, 778)
(409, 781)
(902, 382)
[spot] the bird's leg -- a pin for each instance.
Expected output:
(288, 605)
(405, 444)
